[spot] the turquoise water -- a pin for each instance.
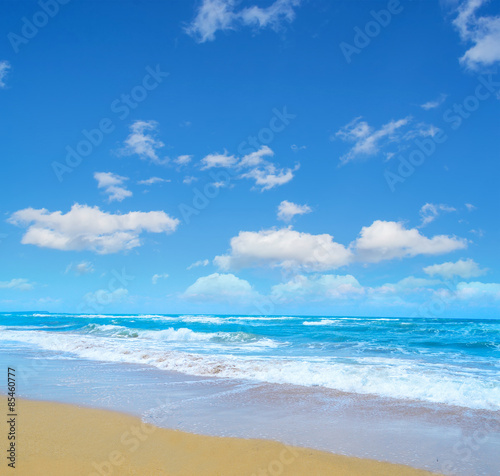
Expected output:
(450, 361)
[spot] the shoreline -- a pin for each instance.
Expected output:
(60, 439)
(430, 437)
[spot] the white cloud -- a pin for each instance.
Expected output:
(189, 179)
(435, 103)
(215, 15)
(386, 240)
(142, 142)
(270, 176)
(430, 211)
(212, 15)
(183, 159)
(273, 16)
(317, 287)
(256, 158)
(112, 185)
(88, 228)
(84, 267)
(366, 139)
(479, 233)
(477, 290)
(466, 269)
(290, 249)
(201, 262)
(4, 69)
(18, 283)
(407, 285)
(483, 32)
(218, 160)
(265, 174)
(103, 297)
(152, 181)
(470, 207)
(219, 287)
(157, 277)
(287, 210)
(296, 148)
(285, 248)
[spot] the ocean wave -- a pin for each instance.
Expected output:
(175, 335)
(396, 378)
(323, 322)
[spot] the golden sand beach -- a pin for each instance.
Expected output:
(64, 440)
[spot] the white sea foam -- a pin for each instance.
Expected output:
(323, 322)
(387, 377)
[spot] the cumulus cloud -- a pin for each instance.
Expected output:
(152, 181)
(215, 15)
(470, 207)
(285, 248)
(290, 249)
(317, 287)
(89, 228)
(385, 240)
(430, 211)
(142, 141)
(157, 277)
(18, 283)
(287, 210)
(466, 269)
(84, 267)
(434, 103)
(482, 32)
(4, 69)
(201, 262)
(112, 185)
(219, 287)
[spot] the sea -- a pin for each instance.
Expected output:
(435, 381)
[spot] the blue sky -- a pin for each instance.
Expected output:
(259, 157)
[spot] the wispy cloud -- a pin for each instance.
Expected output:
(84, 267)
(142, 142)
(221, 15)
(430, 211)
(18, 283)
(189, 179)
(112, 185)
(157, 277)
(152, 181)
(4, 69)
(183, 159)
(367, 140)
(435, 103)
(196, 264)
(254, 166)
